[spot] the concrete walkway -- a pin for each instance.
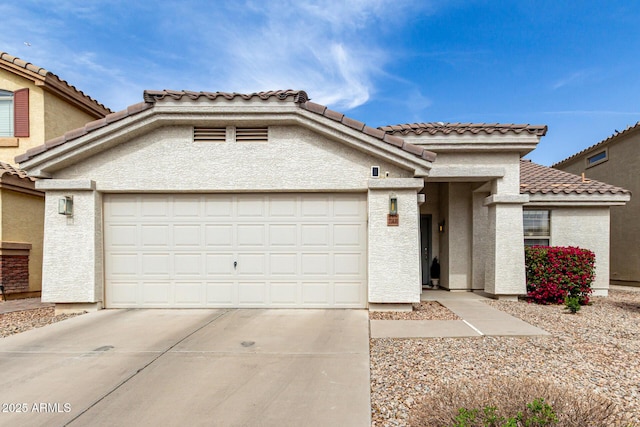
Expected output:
(478, 319)
(22, 304)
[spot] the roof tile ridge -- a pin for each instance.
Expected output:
(377, 133)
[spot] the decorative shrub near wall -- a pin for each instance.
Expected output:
(555, 272)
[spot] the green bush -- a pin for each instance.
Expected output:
(555, 272)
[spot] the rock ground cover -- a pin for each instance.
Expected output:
(20, 321)
(596, 349)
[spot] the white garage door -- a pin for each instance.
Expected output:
(277, 250)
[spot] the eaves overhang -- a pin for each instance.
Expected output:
(117, 128)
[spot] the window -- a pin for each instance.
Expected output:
(597, 158)
(6, 113)
(537, 227)
(14, 113)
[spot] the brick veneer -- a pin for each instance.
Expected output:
(14, 268)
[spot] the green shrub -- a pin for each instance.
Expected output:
(555, 272)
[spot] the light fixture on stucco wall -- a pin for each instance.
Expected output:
(65, 206)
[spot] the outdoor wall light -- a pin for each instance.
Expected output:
(393, 205)
(65, 206)
(441, 226)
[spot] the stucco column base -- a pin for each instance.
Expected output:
(77, 307)
(390, 307)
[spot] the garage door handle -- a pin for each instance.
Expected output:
(235, 264)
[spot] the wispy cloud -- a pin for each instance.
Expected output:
(576, 78)
(331, 49)
(592, 113)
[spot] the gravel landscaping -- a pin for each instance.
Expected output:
(597, 349)
(20, 321)
(426, 310)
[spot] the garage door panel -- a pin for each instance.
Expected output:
(347, 235)
(156, 293)
(188, 294)
(347, 293)
(154, 265)
(315, 235)
(347, 264)
(252, 294)
(219, 264)
(122, 264)
(317, 294)
(250, 207)
(282, 207)
(219, 207)
(251, 235)
(122, 236)
(284, 293)
(187, 236)
(220, 294)
(155, 235)
(314, 264)
(123, 293)
(219, 236)
(155, 207)
(291, 250)
(188, 264)
(283, 264)
(251, 264)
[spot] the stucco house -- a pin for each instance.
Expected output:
(213, 199)
(616, 160)
(35, 106)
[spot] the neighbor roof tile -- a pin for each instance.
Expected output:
(538, 179)
(461, 128)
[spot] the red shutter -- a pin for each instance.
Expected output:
(21, 113)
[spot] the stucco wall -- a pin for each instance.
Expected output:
(394, 251)
(294, 159)
(586, 228)
(60, 116)
(621, 169)
(23, 221)
(458, 235)
(72, 264)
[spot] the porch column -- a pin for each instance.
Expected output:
(72, 274)
(394, 247)
(504, 270)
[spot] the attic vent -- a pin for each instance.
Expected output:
(252, 134)
(209, 134)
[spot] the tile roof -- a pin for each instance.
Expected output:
(28, 70)
(605, 141)
(7, 169)
(461, 128)
(300, 98)
(538, 179)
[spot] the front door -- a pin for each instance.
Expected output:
(425, 248)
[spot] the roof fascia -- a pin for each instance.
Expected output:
(577, 200)
(55, 158)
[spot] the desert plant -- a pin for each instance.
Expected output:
(572, 304)
(512, 402)
(553, 273)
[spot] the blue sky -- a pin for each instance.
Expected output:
(572, 65)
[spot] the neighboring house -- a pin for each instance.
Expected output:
(35, 106)
(201, 199)
(617, 160)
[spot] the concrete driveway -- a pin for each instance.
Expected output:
(190, 367)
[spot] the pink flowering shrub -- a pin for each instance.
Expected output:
(555, 272)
